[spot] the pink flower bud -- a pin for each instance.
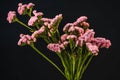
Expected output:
(88, 36)
(67, 26)
(54, 47)
(102, 42)
(92, 48)
(71, 29)
(80, 30)
(22, 8)
(11, 16)
(72, 37)
(79, 20)
(32, 21)
(64, 37)
(37, 14)
(30, 5)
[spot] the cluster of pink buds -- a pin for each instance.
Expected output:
(23, 8)
(80, 33)
(25, 39)
(35, 19)
(77, 33)
(11, 16)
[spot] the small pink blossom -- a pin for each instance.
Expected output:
(67, 26)
(65, 43)
(34, 34)
(85, 24)
(46, 20)
(102, 42)
(22, 8)
(72, 37)
(71, 29)
(64, 37)
(11, 16)
(32, 21)
(41, 30)
(54, 21)
(37, 14)
(30, 5)
(88, 36)
(38, 32)
(93, 48)
(54, 47)
(80, 30)
(79, 42)
(80, 19)
(25, 39)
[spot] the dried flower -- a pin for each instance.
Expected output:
(11, 16)
(93, 48)
(54, 47)
(22, 8)
(32, 21)
(30, 5)
(25, 39)
(37, 14)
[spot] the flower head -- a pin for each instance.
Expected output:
(37, 14)
(102, 42)
(92, 48)
(80, 20)
(11, 16)
(30, 5)
(22, 8)
(32, 21)
(25, 39)
(54, 47)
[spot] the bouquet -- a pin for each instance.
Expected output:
(75, 48)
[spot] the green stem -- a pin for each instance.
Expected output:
(85, 67)
(37, 26)
(65, 65)
(32, 45)
(17, 20)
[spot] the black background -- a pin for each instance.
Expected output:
(22, 63)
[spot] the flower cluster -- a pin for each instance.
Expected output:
(75, 47)
(26, 39)
(80, 33)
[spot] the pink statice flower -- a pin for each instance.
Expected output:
(54, 21)
(46, 20)
(11, 16)
(88, 36)
(32, 21)
(22, 8)
(72, 37)
(92, 48)
(79, 42)
(30, 5)
(64, 37)
(79, 30)
(102, 42)
(34, 34)
(85, 24)
(25, 39)
(80, 20)
(71, 29)
(37, 14)
(38, 32)
(54, 47)
(67, 26)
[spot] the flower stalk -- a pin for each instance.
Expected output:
(46, 58)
